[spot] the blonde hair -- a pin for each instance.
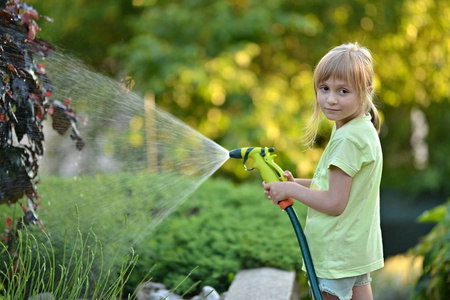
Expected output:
(351, 63)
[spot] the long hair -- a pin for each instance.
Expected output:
(351, 63)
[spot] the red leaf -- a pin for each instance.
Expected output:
(28, 14)
(68, 100)
(40, 112)
(13, 8)
(33, 28)
(41, 69)
(48, 94)
(12, 68)
(9, 222)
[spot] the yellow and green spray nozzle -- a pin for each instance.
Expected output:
(263, 161)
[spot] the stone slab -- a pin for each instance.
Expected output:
(263, 284)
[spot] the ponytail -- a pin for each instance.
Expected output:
(375, 117)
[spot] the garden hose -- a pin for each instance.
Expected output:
(271, 172)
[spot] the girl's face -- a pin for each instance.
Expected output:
(339, 101)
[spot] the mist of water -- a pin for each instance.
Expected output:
(149, 158)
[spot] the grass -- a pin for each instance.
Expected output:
(34, 267)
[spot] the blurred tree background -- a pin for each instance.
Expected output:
(240, 71)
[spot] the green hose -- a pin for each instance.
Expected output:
(305, 253)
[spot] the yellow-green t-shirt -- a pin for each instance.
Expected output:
(349, 244)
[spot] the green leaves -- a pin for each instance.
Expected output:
(222, 229)
(435, 248)
(435, 215)
(240, 71)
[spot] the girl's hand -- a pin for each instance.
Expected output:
(288, 175)
(276, 191)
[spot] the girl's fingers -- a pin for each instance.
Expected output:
(287, 174)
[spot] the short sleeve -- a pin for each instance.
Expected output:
(346, 156)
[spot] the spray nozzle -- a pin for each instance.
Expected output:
(256, 153)
(236, 153)
(263, 161)
(244, 152)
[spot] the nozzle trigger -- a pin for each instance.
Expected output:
(246, 158)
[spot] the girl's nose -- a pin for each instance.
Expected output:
(331, 99)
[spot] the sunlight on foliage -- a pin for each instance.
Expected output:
(397, 278)
(253, 61)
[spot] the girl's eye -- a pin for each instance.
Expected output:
(323, 88)
(343, 91)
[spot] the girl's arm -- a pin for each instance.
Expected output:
(302, 181)
(332, 202)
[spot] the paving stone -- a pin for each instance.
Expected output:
(263, 284)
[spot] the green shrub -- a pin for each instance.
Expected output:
(435, 250)
(222, 228)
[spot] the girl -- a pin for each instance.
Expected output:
(343, 222)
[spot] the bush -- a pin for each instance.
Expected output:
(220, 229)
(435, 249)
(25, 102)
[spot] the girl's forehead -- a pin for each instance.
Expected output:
(333, 80)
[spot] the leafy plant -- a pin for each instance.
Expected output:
(25, 91)
(435, 249)
(221, 229)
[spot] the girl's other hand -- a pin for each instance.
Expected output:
(266, 190)
(288, 175)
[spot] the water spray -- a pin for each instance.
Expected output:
(270, 172)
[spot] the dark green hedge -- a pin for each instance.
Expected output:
(221, 229)
(218, 230)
